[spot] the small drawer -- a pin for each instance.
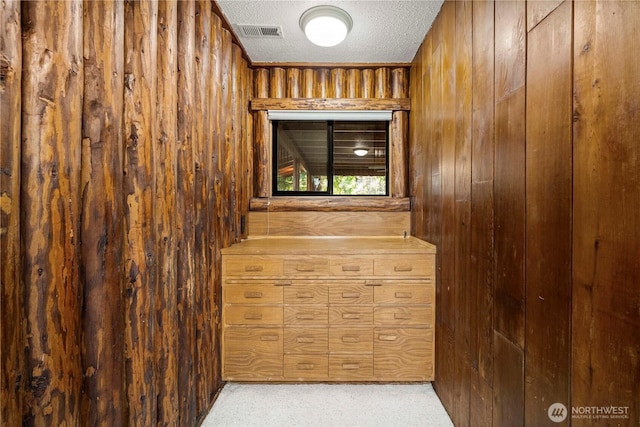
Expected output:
(305, 340)
(244, 314)
(307, 294)
(351, 315)
(306, 315)
(404, 294)
(351, 266)
(350, 340)
(350, 294)
(403, 266)
(252, 266)
(403, 354)
(350, 367)
(410, 315)
(306, 266)
(253, 294)
(306, 367)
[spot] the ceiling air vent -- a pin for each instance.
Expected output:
(263, 31)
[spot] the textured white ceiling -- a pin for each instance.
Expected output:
(383, 30)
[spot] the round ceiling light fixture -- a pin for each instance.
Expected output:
(326, 25)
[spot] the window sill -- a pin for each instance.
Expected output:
(331, 203)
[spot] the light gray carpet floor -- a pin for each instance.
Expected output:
(327, 405)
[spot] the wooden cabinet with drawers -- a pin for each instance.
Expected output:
(328, 309)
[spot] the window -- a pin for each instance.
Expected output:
(330, 157)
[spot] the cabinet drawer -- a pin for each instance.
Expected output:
(403, 354)
(351, 266)
(403, 266)
(404, 294)
(307, 294)
(308, 265)
(253, 294)
(350, 340)
(351, 315)
(252, 265)
(306, 315)
(244, 314)
(409, 315)
(350, 294)
(306, 367)
(252, 354)
(344, 367)
(305, 340)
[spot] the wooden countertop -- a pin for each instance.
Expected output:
(329, 245)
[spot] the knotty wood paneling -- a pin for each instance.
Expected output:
(52, 87)
(166, 316)
(12, 360)
(102, 207)
(548, 214)
(606, 201)
(185, 214)
(140, 252)
(115, 135)
(545, 308)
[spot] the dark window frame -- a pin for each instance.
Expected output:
(330, 168)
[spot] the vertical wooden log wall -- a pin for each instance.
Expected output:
(125, 139)
(335, 82)
(537, 292)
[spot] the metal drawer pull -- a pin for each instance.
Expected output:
(304, 294)
(306, 366)
(351, 295)
(403, 294)
(253, 316)
(269, 338)
(253, 268)
(350, 315)
(350, 338)
(303, 268)
(402, 316)
(368, 283)
(253, 294)
(305, 339)
(388, 337)
(305, 316)
(350, 268)
(350, 366)
(282, 283)
(402, 268)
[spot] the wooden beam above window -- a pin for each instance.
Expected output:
(395, 104)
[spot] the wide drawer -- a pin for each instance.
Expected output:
(404, 294)
(306, 294)
(350, 294)
(344, 367)
(306, 315)
(245, 314)
(350, 340)
(252, 354)
(253, 294)
(354, 315)
(306, 266)
(351, 266)
(252, 265)
(305, 340)
(404, 315)
(403, 354)
(403, 266)
(306, 367)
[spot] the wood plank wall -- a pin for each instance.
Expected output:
(524, 170)
(332, 82)
(124, 131)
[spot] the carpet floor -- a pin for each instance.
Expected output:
(327, 405)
